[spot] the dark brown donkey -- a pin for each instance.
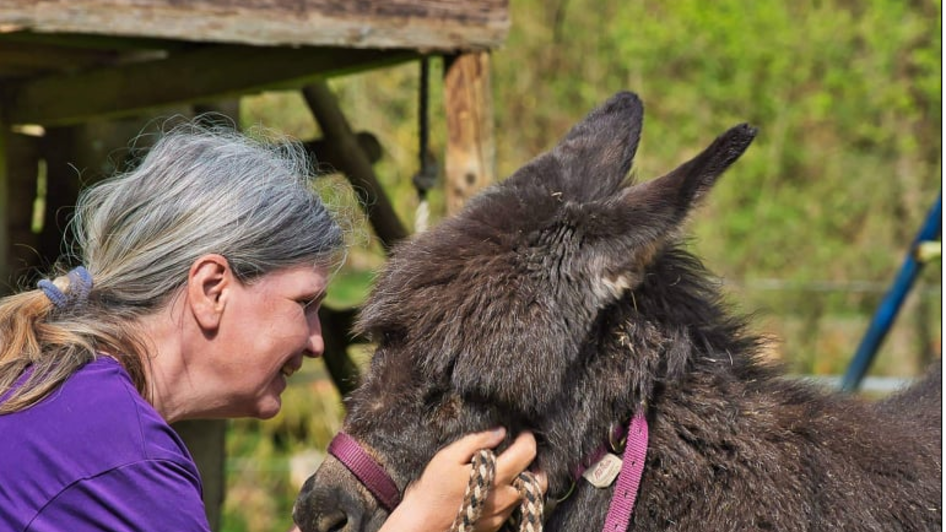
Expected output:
(561, 300)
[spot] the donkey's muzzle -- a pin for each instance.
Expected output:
(324, 507)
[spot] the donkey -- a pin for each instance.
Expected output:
(562, 300)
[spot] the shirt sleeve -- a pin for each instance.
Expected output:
(141, 496)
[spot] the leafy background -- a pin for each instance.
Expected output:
(805, 232)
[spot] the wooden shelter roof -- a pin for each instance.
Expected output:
(65, 61)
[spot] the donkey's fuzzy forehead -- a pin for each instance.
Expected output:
(525, 269)
(505, 237)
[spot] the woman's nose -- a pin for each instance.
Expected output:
(316, 343)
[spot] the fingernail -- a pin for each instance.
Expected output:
(498, 431)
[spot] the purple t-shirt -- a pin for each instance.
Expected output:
(94, 455)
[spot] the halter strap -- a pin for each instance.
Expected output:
(347, 450)
(367, 470)
(625, 492)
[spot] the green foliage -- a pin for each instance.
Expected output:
(262, 483)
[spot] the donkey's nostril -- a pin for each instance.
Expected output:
(326, 508)
(334, 521)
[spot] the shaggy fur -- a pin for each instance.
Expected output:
(561, 301)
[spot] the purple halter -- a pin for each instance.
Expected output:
(367, 470)
(629, 480)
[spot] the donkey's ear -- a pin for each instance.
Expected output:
(665, 201)
(597, 153)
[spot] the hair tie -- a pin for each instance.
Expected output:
(80, 284)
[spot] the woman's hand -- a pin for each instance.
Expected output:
(432, 503)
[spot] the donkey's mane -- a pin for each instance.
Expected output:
(679, 293)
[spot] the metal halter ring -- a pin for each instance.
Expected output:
(616, 430)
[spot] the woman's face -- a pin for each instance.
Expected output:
(269, 326)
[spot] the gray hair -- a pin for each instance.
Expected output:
(198, 190)
(201, 191)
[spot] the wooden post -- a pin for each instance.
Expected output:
(471, 150)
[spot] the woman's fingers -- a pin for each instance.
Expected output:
(462, 450)
(431, 502)
(503, 499)
(499, 506)
(515, 459)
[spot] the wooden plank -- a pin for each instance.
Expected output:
(208, 73)
(471, 149)
(445, 25)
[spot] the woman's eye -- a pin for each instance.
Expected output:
(310, 303)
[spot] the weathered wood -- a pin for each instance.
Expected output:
(470, 162)
(87, 42)
(447, 25)
(205, 74)
(353, 163)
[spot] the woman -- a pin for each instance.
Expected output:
(201, 275)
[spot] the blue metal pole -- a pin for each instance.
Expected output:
(886, 313)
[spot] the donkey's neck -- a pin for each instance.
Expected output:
(672, 328)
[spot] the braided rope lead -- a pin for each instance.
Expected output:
(533, 502)
(527, 518)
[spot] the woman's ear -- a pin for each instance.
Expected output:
(209, 283)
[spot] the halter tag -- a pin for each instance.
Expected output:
(604, 471)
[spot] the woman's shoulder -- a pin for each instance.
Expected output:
(94, 421)
(95, 430)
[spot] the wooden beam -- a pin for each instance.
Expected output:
(40, 57)
(84, 41)
(321, 150)
(208, 73)
(353, 162)
(471, 150)
(445, 25)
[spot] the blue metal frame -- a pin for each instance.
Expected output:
(887, 311)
